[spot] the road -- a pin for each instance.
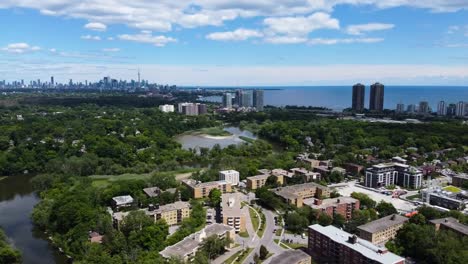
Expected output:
(267, 239)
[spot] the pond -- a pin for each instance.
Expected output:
(196, 141)
(17, 199)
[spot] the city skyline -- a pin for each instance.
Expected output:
(237, 44)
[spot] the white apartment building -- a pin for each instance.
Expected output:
(230, 176)
(166, 108)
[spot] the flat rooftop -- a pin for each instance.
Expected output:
(196, 184)
(329, 202)
(364, 247)
(383, 223)
(290, 257)
(152, 191)
(125, 199)
(259, 177)
(452, 223)
(231, 204)
(190, 243)
(290, 191)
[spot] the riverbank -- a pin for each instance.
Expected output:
(212, 132)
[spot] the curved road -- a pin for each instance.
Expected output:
(266, 240)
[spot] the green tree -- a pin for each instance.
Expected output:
(215, 197)
(338, 220)
(152, 237)
(324, 219)
(263, 252)
(296, 222)
(364, 199)
(163, 181)
(135, 221)
(385, 209)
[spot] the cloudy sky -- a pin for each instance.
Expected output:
(235, 43)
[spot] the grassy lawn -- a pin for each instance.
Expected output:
(104, 180)
(212, 131)
(254, 218)
(247, 139)
(296, 246)
(233, 257)
(241, 254)
(452, 189)
(278, 232)
(412, 197)
(243, 234)
(262, 227)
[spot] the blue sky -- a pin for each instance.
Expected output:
(244, 42)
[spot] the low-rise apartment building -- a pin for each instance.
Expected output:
(460, 180)
(259, 181)
(292, 257)
(172, 213)
(452, 224)
(382, 230)
(202, 189)
(231, 213)
(188, 247)
(344, 206)
(329, 244)
(444, 199)
(295, 194)
(385, 174)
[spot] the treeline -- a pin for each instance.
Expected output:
(7, 253)
(341, 139)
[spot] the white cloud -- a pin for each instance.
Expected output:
(96, 26)
(20, 48)
(300, 25)
(364, 28)
(146, 36)
(111, 49)
(333, 41)
(162, 15)
(285, 40)
(110, 38)
(53, 50)
(236, 35)
(91, 37)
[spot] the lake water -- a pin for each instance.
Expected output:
(17, 199)
(190, 141)
(339, 97)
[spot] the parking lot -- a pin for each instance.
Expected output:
(400, 205)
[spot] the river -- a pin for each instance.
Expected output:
(17, 199)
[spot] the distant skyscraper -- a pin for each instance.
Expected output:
(423, 107)
(411, 108)
(460, 109)
(227, 100)
(246, 99)
(376, 102)
(258, 99)
(359, 91)
(52, 83)
(202, 109)
(400, 108)
(452, 110)
(441, 108)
